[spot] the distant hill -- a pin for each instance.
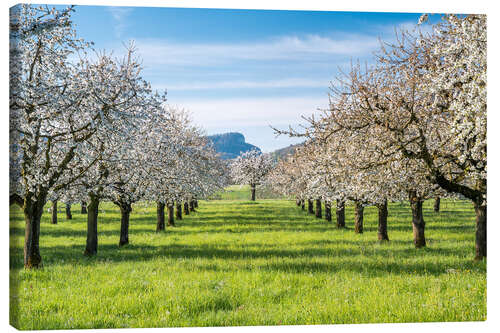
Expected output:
(231, 145)
(283, 152)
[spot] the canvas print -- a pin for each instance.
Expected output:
(184, 167)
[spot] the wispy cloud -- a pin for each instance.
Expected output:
(120, 16)
(264, 111)
(387, 31)
(240, 84)
(290, 48)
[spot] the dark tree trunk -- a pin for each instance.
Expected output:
(191, 205)
(170, 209)
(186, 208)
(318, 208)
(358, 217)
(33, 211)
(178, 211)
(54, 212)
(480, 230)
(252, 187)
(297, 202)
(195, 203)
(303, 204)
(68, 211)
(340, 214)
(16, 199)
(382, 222)
(417, 220)
(125, 209)
(310, 206)
(328, 211)
(93, 211)
(160, 216)
(437, 203)
(84, 207)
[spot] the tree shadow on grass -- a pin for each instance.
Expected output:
(276, 219)
(339, 258)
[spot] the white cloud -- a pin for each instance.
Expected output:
(120, 15)
(388, 31)
(263, 111)
(309, 48)
(240, 84)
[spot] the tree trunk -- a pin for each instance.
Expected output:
(303, 204)
(54, 212)
(310, 208)
(437, 203)
(318, 208)
(297, 202)
(178, 211)
(382, 222)
(125, 210)
(68, 211)
(84, 207)
(160, 216)
(340, 214)
(191, 205)
(195, 203)
(480, 230)
(16, 199)
(93, 211)
(358, 217)
(33, 211)
(252, 187)
(186, 208)
(328, 211)
(417, 220)
(170, 209)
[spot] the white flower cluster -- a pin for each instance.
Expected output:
(82, 124)
(251, 167)
(413, 124)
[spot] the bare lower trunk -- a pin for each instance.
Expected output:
(318, 208)
(32, 215)
(68, 211)
(480, 210)
(160, 216)
(358, 217)
(186, 208)
(195, 203)
(170, 209)
(93, 211)
(297, 202)
(382, 222)
(178, 211)
(191, 205)
(328, 211)
(84, 207)
(437, 204)
(125, 210)
(418, 222)
(252, 187)
(303, 204)
(340, 214)
(310, 206)
(54, 212)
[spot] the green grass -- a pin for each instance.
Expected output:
(243, 263)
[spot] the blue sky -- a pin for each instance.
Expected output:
(242, 70)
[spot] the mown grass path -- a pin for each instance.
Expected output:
(245, 263)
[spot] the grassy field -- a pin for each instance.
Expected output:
(236, 262)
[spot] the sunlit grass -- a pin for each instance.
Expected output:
(248, 263)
